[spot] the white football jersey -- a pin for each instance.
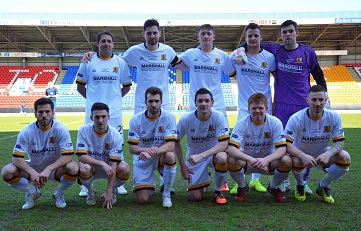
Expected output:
(206, 72)
(104, 147)
(256, 140)
(254, 77)
(43, 147)
(202, 135)
(103, 79)
(152, 69)
(146, 132)
(313, 135)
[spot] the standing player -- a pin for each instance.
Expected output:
(50, 151)
(104, 77)
(253, 77)
(308, 133)
(99, 150)
(151, 138)
(207, 139)
(258, 145)
(206, 64)
(23, 109)
(52, 93)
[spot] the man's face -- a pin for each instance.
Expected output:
(253, 38)
(257, 111)
(206, 37)
(151, 35)
(204, 104)
(153, 104)
(316, 101)
(105, 46)
(288, 35)
(100, 119)
(44, 116)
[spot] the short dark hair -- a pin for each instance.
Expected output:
(202, 91)
(99, 106)
(253, 26)
(287, 23)
(257, 98)
(99, 35)
(206, 27)
(153, 91)
(150, 22)
(316, 88)
(43, 101)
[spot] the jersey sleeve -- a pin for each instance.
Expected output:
(337, 132)
(65, 143)
(21, 146)
(236, 136)
(133, 134)
(81, 144)
(125, 73)
(278, 135)
(171, 129)
(82, 75)
(128, 57)
(222, 129)
(181, 128)
(116, 152)
(228, 67)
(291, 129)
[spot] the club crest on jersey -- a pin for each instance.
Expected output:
(264, 64)
(107, 146)
(52, 139)
(299, 60)
(267, 135)
(326, 129)
(164, 56)
(210, 128)
(115, 69)
(160, 129)
(217, 60)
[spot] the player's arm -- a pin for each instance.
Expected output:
(336, 148)
(220, 147)
(182, 66)
(107, 196)
(24, 166)
(81, 89)
(185, 171)
(277, 154)
(125, 90)
(318, 76)
(167, 147)
(238, 154)
(88, 56)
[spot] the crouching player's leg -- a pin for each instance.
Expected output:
(280, 169)
(337, 166)
(167, 162)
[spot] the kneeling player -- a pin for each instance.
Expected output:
(47, 143)
(207, 139)
(257, 145)
(99, 149)
(308, 133)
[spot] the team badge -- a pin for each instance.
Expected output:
(210, 128)
(299, 60)
(217, 60)
(326, 129)
(264, 64)
(52, 139)
(164, 57)
(267, 135)
(115, 69)
(107, 146)
(160, 129)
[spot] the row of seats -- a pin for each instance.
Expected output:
(38, 74)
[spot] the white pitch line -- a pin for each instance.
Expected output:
(8, 137)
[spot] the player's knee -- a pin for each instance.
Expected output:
(8, 171)
(169, 157)
(72, 168)
(195, 196)
(286, 160)
(123, 169)
(344, 156)
(221, 158)
(84, 169)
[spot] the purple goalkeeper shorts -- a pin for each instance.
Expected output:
(284, 111)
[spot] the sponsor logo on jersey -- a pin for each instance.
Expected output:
(81, 145)
(160, 129)
(94, 70)
(17, 146)
(153, 66)
(52, 139)
(315, 139)
(131, 133)
(115, 69)
(289, 132)
(69, 145)
(224, 129)
(205, 69)
(80, 75)
(289, 67)
(192, 130)
(234, 136)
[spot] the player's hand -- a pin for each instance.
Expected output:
(87, 57)
(195, 159)
(108, 170)
(323, 159)
(260, 163)
(186, 172)
(34, 176)
(240, 57)
(43, 177)
(309, 161)
(107, 197)
(144, 156)
(153, 151)
(327, 104)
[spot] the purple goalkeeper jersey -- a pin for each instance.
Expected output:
(293, 72)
